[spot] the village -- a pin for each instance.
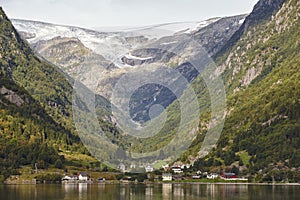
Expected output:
(174, 173)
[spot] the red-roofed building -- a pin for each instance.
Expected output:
(229, 175)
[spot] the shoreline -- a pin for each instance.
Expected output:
(161, 182)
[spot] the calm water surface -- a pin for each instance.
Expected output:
(144, 192)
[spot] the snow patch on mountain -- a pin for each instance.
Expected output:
(242, 21)
(201, 25)
(111, 45)
(168, 43)
(129, 56)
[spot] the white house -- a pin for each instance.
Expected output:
(148, 168)
(177, 170)
(166, 177)
(212, 176)
(122, 167)
(132, 166)
(69, 178)
(196, 177)
(83, 176)
(199, 172)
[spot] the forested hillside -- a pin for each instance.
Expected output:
(35, 107)
(261, 72)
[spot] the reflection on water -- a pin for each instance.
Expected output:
(82, 190)
(69, 189)
(167, 190)
(123, 191)
(149, 193)
(178, 191)
(164, 191)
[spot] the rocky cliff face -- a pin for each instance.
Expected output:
(246, 67)
(262, 11)
(216, 35)
(12, 96)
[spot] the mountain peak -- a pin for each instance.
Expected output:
(262, 11)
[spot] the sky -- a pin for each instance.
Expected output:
(106, 13)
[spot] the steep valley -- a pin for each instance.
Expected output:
(256, 57)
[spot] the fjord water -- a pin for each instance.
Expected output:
(148, 191)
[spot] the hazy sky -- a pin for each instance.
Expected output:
(96, 13)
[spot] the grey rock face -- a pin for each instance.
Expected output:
(212, 38)
(12, 96)
(262, 11)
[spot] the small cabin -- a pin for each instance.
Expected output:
(212, 176)
(69, 178)
(229, 176)
(177, 170)
(196, 177)
(122, 167)
(148, 168)
(83, 176)
(167, 177)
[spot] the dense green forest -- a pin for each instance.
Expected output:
(27, 134)
(44, 82)
(35, 107)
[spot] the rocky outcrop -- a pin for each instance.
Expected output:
(250, 75)
(27, 35)
(12, 96)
